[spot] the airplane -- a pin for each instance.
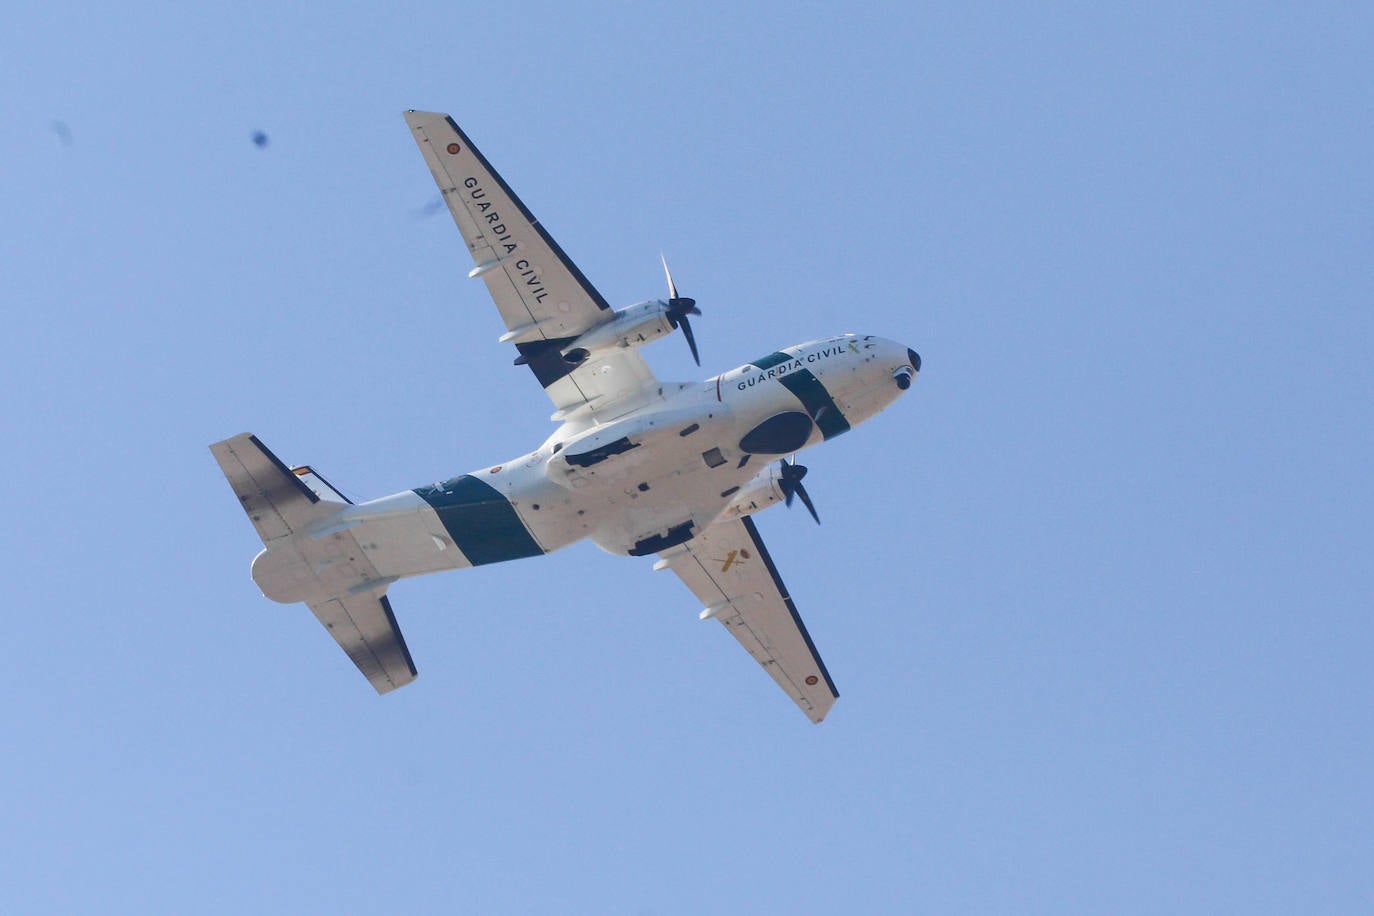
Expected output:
(638, 466)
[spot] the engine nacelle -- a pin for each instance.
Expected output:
(631, 327)
(762, 491)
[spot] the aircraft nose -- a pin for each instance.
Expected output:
(905, 374)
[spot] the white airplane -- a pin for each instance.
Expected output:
(637, 465)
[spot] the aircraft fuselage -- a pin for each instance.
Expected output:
(635, 485)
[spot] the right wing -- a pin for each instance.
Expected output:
(544, 299)
(729, 570)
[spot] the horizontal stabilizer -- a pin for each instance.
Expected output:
(365, 628)
(278, 502)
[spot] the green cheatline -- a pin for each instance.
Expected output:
(482, 523)
(809, 390)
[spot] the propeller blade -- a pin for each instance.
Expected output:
(672, 290)
(691, 340)
(806, 501)
(790, 482)
(679, 307)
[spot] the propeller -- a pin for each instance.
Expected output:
(791, 485)
(679, 307)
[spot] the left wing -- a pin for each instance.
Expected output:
(544, 299)
(729, 570)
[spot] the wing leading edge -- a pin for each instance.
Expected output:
(731, 572)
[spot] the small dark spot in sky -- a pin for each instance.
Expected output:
(64, 133)
(259, 139)
(431, 208)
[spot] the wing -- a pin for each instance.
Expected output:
(544, 300)
(729, 570)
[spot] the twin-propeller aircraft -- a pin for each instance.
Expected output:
(637, 465)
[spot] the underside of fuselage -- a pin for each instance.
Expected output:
(634, 485)
(645, 481)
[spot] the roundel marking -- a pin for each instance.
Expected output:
(453, 149)
(812, 680)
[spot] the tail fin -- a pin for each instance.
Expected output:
(322, 488)
(278, 501)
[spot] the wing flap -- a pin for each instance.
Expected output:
(365, 628)
(731, 572)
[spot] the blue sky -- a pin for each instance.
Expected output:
(1096, 593)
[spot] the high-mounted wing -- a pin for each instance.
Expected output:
(729, 570)
(544, 300)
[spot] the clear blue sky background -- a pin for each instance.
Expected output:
(1097, 593)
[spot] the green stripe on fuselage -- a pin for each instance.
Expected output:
(809, 390)
(482, 522)
(817, 402)
(771, 360)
